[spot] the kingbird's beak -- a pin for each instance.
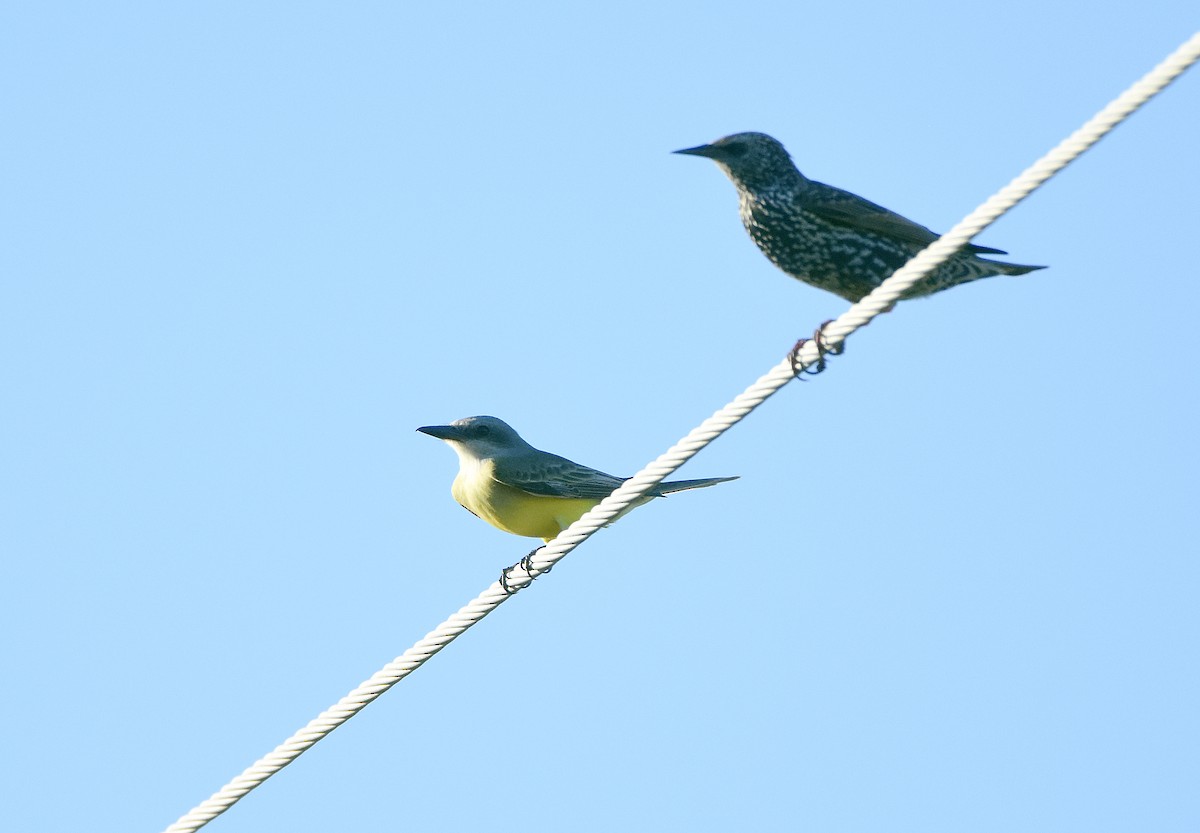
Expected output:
(700, 150)
(442, 432)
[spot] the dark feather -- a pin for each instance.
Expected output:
(555, 476)
(855, 212)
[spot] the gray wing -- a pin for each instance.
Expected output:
(840, 206)
(549, 475)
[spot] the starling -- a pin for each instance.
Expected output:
(827, 237)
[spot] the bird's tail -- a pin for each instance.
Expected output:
(684, 485)
(1011, 268)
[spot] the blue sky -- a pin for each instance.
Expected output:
(249, 249)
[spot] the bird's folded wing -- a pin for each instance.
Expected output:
(851, 210)
(553, 476)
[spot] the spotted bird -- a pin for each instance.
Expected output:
(827, 237)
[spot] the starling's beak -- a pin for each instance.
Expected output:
(710, 151)
(442, 432)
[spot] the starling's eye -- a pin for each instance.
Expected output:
(735, 149)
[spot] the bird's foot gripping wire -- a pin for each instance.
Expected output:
(823, 350)
(525, 564)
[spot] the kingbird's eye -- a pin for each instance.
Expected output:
(735, 149)
(482, 430)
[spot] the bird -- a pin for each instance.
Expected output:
(830, 238)
(519, 489)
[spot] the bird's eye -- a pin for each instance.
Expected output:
(482, 430)
(735, 149)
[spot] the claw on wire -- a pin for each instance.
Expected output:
(823, 350)
(525, 564)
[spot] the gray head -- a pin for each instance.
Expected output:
(751, 160)
(478, 437)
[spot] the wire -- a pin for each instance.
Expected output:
(859, 315)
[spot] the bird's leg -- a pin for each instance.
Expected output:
(527, 561)
(508, 591)
(823, 349)
(798, 367)
(525, 564)
(823, 345)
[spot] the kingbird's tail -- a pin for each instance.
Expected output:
(683, 485)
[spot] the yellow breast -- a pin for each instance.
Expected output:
(513, 510)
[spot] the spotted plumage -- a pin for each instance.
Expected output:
(827, 237)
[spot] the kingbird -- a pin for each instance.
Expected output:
(519, 489)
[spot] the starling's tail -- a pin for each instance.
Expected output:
(1010, 268)
(684, 485)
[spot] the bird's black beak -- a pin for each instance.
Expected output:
(701, 150)
(442, 432)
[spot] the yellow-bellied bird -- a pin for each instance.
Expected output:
(515, 487)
